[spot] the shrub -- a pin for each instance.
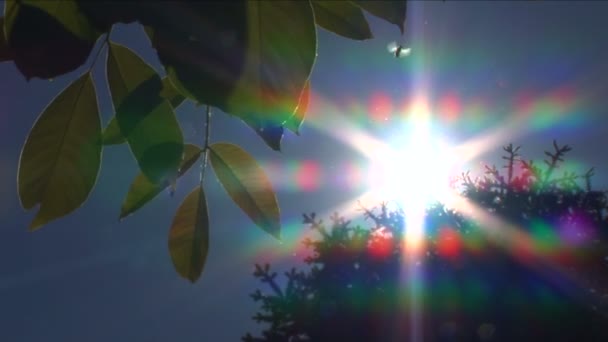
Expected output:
(527, 264)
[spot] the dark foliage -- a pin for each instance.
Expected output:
(529, 264)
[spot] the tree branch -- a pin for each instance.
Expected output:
(206, 145)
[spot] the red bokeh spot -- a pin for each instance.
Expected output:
(307, 176)
(380, 107)
(523, 103)
(450, 107)
(523, 247)
(449, 243)
(564, 96)
(381, 244)
(564, 257)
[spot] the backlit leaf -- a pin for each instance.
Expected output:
(203, 61)
(393, 11)
(280, 56)
(47, 38)
(170, 93)
(103, 14)
(125, 72)
(272, 133)
(61, 157)
(6, 54)
(143, 191)
(295, 122)
(66, 12)
(149, 32)
(152, 131)
(178, 85)
(112, 134)
(143, 116)
(247, 184)
(191, 155)
(251, 59)
(343, 18)
(189, 235)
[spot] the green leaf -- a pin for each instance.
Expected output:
(171, 93)
(47, 38)
(280, 56)
(149, 32)
(247, 184)
(189, 235)
(202, 61)
(152, 131)
(251, 59)
(112, 134)
(295, 122)
(343, 18)
(66, 12)
(143, 191)
(393, 11)
(191, 155)
(6, 54)
(125, 72)
(103, 14)
(143, 116)
(61, 157)
(178, 85)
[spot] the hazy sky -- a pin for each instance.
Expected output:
(534, 71)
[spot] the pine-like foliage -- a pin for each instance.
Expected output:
(525, 260)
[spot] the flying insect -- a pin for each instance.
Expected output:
(398, 50)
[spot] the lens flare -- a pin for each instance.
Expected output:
(380, 107)
(413, 169)
(409, 161)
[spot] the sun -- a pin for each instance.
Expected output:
(411, 166)
(414, 166)
(413, 169)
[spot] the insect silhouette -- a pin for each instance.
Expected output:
(398, 50)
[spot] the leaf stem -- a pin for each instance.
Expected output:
(206, 146)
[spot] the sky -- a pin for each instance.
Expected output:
(491, 72)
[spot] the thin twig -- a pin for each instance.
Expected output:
(206, 146)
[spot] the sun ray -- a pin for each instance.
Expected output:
(394, 138)
(520, 245)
